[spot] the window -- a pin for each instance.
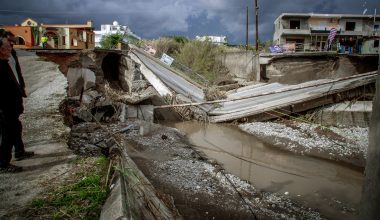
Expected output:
(295, 24)
(376, 27)
(63, 40)
(376, 44)
(350, 26)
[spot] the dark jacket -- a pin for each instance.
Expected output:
(11, 92)
(18, 68)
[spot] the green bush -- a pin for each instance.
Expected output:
(201, 57)
(167, 45)
(111, 41)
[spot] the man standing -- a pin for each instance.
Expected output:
(20, 152)
(44, 40)
(11, 103)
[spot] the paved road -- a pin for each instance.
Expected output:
(42, 131)
(251, 106)
(172, 80)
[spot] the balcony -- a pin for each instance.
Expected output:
(299, 28)
(296, 31)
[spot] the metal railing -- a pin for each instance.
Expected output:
(190, 73)
(308, 47)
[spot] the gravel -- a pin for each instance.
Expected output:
(341, 144)
(46, 88)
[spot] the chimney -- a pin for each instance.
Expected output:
(89, 23)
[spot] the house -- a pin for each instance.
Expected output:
(213, 39)
(114, 28)
(26, 34)
(309, 31)
(29, 23)
(60, 36)
(69, 36)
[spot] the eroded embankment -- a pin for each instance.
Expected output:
(295, 69)
(198, 187)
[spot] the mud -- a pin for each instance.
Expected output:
(200, 187)
(334, 189)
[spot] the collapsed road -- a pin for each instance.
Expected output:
(251, 101)
(171, 173)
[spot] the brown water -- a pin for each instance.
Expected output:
(319, 184)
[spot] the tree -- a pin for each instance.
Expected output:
(111, 41)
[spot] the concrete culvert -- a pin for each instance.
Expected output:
(110, 66)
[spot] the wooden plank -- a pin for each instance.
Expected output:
(141, 201)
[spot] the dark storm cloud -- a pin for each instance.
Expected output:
(152, 18)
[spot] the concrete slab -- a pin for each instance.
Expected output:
(146, 113)
(346, 114)
(132, 111)
(113, 207)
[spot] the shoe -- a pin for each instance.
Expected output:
(25, 155)
(10, 169)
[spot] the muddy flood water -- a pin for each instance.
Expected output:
(331, 188)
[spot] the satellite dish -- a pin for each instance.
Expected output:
(365, 11)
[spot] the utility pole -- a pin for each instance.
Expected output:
(370, 202)
(246, 33)
(257, 25)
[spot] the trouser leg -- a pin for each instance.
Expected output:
(19, 144)
(9, 129)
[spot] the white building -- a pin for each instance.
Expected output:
(115, 27)
(213, 39)
(310, 31)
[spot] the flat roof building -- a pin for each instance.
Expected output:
(310, 31)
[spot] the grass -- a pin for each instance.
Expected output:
(81, 196)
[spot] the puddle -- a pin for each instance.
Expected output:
(326, 186)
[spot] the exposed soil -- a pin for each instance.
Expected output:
(294, 70)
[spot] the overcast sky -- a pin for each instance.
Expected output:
(154, 18)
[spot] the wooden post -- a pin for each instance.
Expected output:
(257, 25)
(246, 33)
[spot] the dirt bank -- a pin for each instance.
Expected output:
(348, 145)
(298, 69)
